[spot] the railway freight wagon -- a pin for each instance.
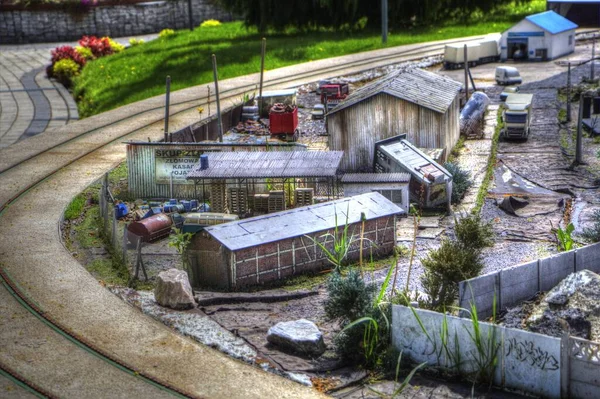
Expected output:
(484, 51)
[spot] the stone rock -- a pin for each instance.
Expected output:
(173, 290)
(301, 336)
(572, 306)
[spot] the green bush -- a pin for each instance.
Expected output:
(65, 70)
(473, 233)
(461, 181)
(593, 233)
(85, 53)
(444, 269)
(349, 297)
(136, 42)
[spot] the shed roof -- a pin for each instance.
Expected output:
(551, 22)
(376, 178)
(427, 89)
(297, 222)
(414, 161)
(268, 164)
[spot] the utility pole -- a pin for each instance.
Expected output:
(465, 54)
(578, 146)
(167, 102)
(214, 62)
(593, 56)
(569, 93)
(384, 21)
(263, 50)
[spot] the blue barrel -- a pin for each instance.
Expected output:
(187, 205)
(194, 204)
(121, 210)
(173, 201)
(173, 208)
(203, 161)
(204, 208)
(154, 204)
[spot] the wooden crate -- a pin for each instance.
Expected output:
(261, 203)
(218, 197)
(276, 201)
(238, 200)
(304, 196)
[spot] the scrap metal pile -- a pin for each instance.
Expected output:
(252, 127)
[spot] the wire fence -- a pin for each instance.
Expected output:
(143, 260)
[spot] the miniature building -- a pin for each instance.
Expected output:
(430, 185)
(258, 182)
(422, 104)
(393, 186)
(582, 12)
(539, 37)
(273, 247)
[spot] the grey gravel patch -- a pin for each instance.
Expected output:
(190, 323)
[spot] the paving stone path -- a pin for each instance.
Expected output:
(30, 103)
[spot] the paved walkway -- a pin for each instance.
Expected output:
(30, 103)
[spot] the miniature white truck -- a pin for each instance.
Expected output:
(516, 115)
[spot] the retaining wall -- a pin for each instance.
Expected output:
(511, 286)
(31, 25)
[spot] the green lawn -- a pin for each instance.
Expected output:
(140, 71)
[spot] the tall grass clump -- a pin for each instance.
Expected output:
(75, 207)
(455, 260)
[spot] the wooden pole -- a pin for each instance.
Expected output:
(569, 92)
(578, 147)
(167, 103)
(465, 54)
(592, 74)
(263, 50)
(215, 75)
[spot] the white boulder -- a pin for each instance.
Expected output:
(173, 290)
(301, 336)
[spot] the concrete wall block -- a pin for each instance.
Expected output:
(555, 268)
(480, 291)
(518, 283)
(408, 336)
(532, 362)
(588, 258)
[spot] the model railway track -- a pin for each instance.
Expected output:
(152, 117)
(33, 308)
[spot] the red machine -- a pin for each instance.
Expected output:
(283, 121)
(334, 93)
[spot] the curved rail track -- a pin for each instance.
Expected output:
(57, 323)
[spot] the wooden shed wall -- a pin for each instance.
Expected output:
(355, 129)
(215, 266)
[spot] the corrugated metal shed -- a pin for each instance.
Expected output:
(415, 85)
(270, 164)
(300, 221)
(414, 161)
(551, 22)
(376, 178)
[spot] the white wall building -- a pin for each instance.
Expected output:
(539, 37)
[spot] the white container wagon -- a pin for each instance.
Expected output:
(484, 51)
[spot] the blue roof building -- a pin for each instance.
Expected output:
(539, 37)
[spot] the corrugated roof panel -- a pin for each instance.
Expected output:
(277, 164)
(376, 178)
(551, 22)
(415, 85)
(301, 221)
(412, 158)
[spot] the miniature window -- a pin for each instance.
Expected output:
(570, 40)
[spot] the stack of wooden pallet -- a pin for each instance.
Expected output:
(276, 201)
(218, 197)
(261, 203)
(303, 196)
(238, 201)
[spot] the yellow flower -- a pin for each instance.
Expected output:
(200, 110)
